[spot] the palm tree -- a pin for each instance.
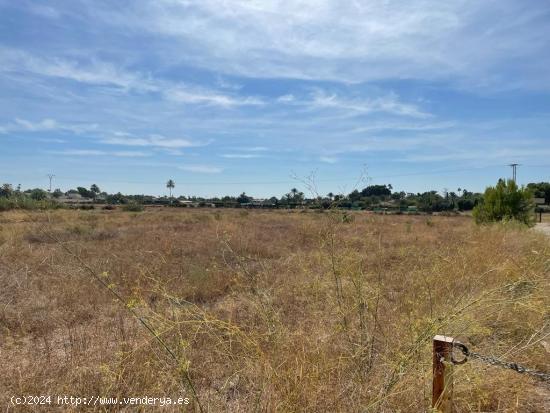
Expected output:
(170, 184)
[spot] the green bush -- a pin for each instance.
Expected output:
(6, 204)
(505, 202)
(133, 207)
(25, 202)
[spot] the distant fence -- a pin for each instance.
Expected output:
(540, 208)
(539, 211)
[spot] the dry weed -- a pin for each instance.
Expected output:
(271, 311)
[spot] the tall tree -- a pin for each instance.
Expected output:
(6, 190)
(85, 193)
(170, 185)
(376, 190)
(243, 198)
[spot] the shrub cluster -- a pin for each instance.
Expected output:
(505, 202)
(24, 202)
(132, 207)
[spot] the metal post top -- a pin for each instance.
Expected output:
(445, 339)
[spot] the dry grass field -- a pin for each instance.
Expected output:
(270, 311)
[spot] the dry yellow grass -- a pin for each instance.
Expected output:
(271, 311)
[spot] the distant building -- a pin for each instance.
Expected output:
(189, 204)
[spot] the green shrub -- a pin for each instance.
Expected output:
(505, 202)
(6, 204)
(132, 207)
(25, 202)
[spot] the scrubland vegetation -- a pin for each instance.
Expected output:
(506, 202)
(271, 311)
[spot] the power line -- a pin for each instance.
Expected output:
(278, 182)
(514, 166)
(422, 173)
(50, 176)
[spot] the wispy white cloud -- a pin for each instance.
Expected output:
(388, 104)
(240, 155)
(94, 152)
(129, 154)
(286, 98)
(400, 126)
(51, 140)
(503, 155)
(225, 84)
(48, 124)
(202, 169)
(100, 73)
(159, 141)
(328, 159)
(171, 151)
(198, 96)
(93, 72)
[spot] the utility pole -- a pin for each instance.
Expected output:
(51, 177)
(514, 166)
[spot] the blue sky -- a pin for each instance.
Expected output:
(232, 96)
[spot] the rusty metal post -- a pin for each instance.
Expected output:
(442, 387)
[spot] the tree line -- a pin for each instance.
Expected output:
(371, 196)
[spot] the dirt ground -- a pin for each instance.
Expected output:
(543, 227)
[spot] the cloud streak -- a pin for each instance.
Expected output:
(94, 152)
(100, 73)
(45, 125)
(240, 155)
(388, 104)
(201, 169)
(158, 141)
(328, 159)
